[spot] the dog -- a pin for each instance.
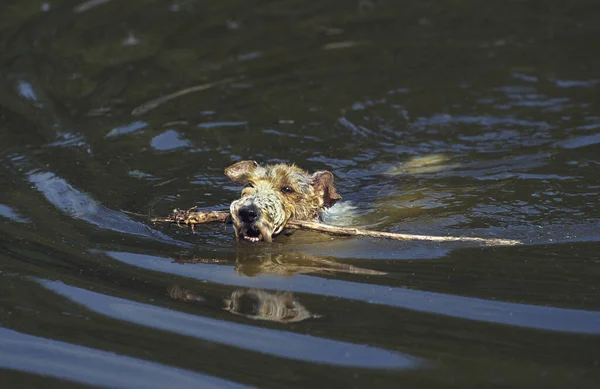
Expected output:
(274, 194)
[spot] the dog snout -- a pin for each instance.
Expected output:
(249, 213)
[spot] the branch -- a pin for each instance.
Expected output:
(191, 217)
(349, 231)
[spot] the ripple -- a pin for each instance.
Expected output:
(269, 341)
(11, 214)
(26, 91)
(127, 128)
(81, 206)
(169, 140)
(520, 315)
(47, 357)
(68, 139)
(579, 141)
(575, 83)
(443, 119)
(221, 124)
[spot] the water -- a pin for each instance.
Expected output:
(448, 118)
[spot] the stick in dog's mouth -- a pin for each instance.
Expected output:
(191, 217)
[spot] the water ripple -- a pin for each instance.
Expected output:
(81, 206)
(579, 141)
(11, 214)
(275, 342)
(521, 315)
(42, 356)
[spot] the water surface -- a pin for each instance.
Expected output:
(443, 118)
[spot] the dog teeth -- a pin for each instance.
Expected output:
(252, 238)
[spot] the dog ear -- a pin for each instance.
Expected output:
(240, 171)
(322, 181)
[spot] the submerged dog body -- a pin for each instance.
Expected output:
(274, 194)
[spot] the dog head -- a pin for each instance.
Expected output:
(274, 194)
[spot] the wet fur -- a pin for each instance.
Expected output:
(281, 192)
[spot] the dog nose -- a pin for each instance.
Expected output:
(249, 213)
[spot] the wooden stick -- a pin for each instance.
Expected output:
(349, 231)
(192, 217)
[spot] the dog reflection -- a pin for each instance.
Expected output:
(176, 292)
(258, 304)
(261, 305)
(253, 304)
(287, 264)
(252, 263)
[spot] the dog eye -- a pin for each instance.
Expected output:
(249, 185)
(287, 189)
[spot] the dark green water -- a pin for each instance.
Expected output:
(446, 118)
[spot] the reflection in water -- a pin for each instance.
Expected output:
(262, 305)
(289, 263)
(430, 163)
(275, 342)
(253, 263)
(253, 303)
(176, 292)
(521, 315)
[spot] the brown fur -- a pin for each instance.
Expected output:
(280, 193)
